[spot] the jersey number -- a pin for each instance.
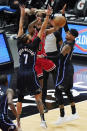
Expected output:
(26, 58)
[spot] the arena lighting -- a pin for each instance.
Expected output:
(6, 61)
(81, 40)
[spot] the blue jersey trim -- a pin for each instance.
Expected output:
(5, 106)
(6, 122)
(57, 84)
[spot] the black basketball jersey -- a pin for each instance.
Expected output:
(67, 58)
(3, 101)
(65, 64)
(27, 53)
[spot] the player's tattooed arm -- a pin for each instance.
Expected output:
(44, 25)
(65, 50)
(32, 24)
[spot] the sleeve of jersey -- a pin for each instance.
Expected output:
(35, 43)
(58, 36)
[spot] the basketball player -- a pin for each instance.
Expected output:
(64, 80)
(42, 64)
(27, 58)
(53, 42)
(6, 96)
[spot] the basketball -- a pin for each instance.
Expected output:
(58, 21)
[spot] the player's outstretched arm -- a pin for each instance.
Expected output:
(44, 25)
(65, 50)
(66, 28)
(20, 32)
(32, 24)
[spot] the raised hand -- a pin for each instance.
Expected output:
(22, 8)
(49, 10)
(63, 9)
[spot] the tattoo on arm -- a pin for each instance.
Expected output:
(66, 50)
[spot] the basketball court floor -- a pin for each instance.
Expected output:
(32, 123)
(30, 119)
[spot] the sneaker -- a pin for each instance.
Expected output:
(74, 117)
(43, 124)
(61, 120)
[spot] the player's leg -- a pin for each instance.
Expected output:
(44, 90)
(59, 96)
(19, 104)
(62, 118)
(41, 109)
(69, 86)
(48, 66)
(73, 106)
(54, 73)
(39, 71)
(20, 91)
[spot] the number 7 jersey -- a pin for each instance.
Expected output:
(27, 53)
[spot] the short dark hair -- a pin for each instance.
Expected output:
(74, 32)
